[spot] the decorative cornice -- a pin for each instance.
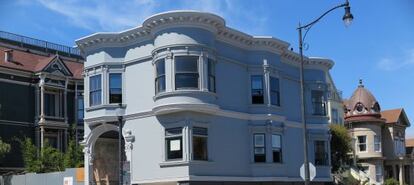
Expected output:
(291, 56)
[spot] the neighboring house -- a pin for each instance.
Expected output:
(41, 88)
(379, 138)
(335, 106)
(202, 103)
(409, 147)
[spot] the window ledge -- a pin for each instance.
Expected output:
(105, 106)
(267, 164)
(264, 106)
(173, 163)
(182, 92)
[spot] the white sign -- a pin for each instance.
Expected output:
(68, 181)
(175, 145)
(312, 171)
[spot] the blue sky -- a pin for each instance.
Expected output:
(378, 46)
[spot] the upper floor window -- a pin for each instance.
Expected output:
(200, 143)
(318, 105)
(274, 91)
(53, 104)
(160, 76)
(334, 116)
(186, 72)
(80, 108)
(377, 143)
(174, 143)
(211, 76)
(95, 90)
(277, 148)
(321, 155)
(115, 88)
(257, 89)
(259, 148)
(362, 143)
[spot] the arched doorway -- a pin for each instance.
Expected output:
(105, 163)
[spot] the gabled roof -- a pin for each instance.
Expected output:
(33, 62)
(393, 116)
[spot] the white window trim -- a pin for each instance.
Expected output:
(200, 68)
(88, 89)
(107, 88)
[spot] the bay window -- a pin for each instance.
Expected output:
(318, 104)
(173, 143)
(321, 155)
(259, 148)
(274, 91)
(277, 148)
(160, 76)
(115, 88)
(186, 72)
(211, 71)
(95, 90)
(200, 143)
(257, 92)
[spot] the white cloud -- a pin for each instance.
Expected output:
(395, 63)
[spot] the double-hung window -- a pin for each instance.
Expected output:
(257, 89)
(378, 173)
(274, 91)
(174, 143)
(362, 143)
(186, 72)
(200, 143)
(211, 76)
(277, 148)
(334, 116)
(377, 143)
(160, 76)
(259, 148)
(318, 105)
(95, 90)
(115, 88)
(321, 156)
(53, 105)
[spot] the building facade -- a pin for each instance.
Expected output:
(41, 88)
(379, 138)
(201, 103)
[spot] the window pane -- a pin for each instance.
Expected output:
(277, 156)
(318, 104)
(276, 143)
(259, 140)
(321, 157)
(95, 90)
(257, 89)
(199, 148)
(115, 80)
(160, 84)
(173, 131)
(274, 84)
(186, 64)
(186, 80)
(115, 88)
(211, 76)
(200, 131)
(257, 82)
(174, 148)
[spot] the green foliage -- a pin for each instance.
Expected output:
(350, 181)
(391, 181)
(51, 160)
(4, 148)
(340, 146)
(30, 155)
(73, 157)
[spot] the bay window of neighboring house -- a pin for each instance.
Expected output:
(160, 76)
(95, 90)
(362, 143)
(200, 136)
(186, 72)
(318, 104)
(274, 91)
(321, 154)
(53, 104)
(277, 148)
(259, 148)
(174, 143)
(257, 92)
(377, 143)
(378, 173)
(80, 109)
(115, 88)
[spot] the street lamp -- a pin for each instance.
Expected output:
(119, 113)
(347, 18)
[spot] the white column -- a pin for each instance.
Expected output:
(65, 102)
(169, 72)
(203, 68)
(42, 100)
(42, 132)
(266, 69)
(401, 175)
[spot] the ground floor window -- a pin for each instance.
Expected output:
(277, 148)
(321, 155)
(173, 143)
(200, 143)
(259, 148)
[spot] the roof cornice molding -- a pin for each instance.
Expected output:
(208, 21)
(292, 57)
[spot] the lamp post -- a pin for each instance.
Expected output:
(119, 114)
(347, 18)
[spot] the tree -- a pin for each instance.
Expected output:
(340, 146)
(4, 148)
(73, 157)
(391, 181)
(30, 155)
(49, 159)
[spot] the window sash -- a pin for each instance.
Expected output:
(200, 147)
(95, 90)
(318, 104)
(259, 142)
(211, 76)
(377, 143)
(257, 92)
(173, 135)
(160, 83)
(186, 80)
(274, 91)
(362, 143)
(321, 155)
